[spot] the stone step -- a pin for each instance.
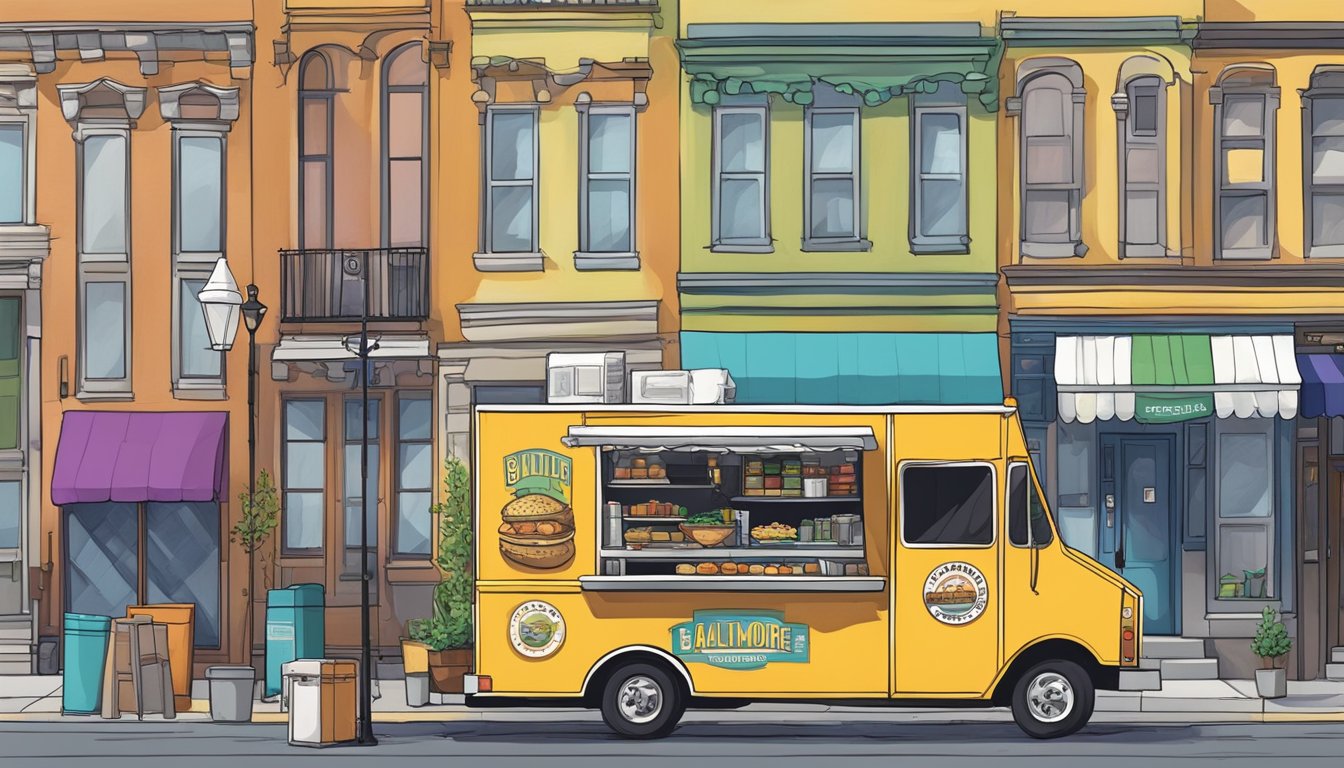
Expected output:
(1337, 655)
(1334, 672)
(1140, 680)
(15, 660)
(1161, 647)
(1189, 669)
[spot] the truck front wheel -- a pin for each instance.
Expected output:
(1053, 699)
(642, 701)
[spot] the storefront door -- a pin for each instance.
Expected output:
(1138, 534)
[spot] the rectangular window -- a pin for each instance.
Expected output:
(181, 565)
(199, 227)
(1244, 188)
(511, 181)
(1075, 459)
(1325, 180)
(832, 194)
(199, 194)
(353, 496)
(1246, 464)
(104, 196)
(741, 195)
(607, 196)
(104, 262)
(1024, 505)
(315, 170)
(405, 170)
(195, 358)
(104, 332)
(11, 373)
(1143, 169)
(13, 175)
(102, 557)
(304, 476)
(947, 505)
(11, 514)
(415, 474)
(1051, 109)
(938, 218)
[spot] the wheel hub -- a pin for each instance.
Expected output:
(640, 700)
(1050, 697)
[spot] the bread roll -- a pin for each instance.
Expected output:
(685, 569)
(729, 569)
(785, 570)
(771, 570)
(812, 569)
(757, 570)
(707, 569)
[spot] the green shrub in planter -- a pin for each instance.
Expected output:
(1271, 641)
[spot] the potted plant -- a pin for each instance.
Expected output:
(447, 633)
(1271, 644)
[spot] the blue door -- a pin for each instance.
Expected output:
(1138, 534)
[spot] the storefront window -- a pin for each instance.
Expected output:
(1245, 473)
(1077, 516)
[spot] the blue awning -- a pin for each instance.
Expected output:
(1322, 385)
(853, 368)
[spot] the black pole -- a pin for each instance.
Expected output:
(251, 473)
(366, 652)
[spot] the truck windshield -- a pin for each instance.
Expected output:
(1025, 507)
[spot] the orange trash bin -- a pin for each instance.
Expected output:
(181, 621)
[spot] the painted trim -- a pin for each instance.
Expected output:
(1078, 31)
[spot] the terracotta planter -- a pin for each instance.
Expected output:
(447, 668)
(414, 657)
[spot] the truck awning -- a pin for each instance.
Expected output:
(725, 439)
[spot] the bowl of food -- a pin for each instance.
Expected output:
(707, 529)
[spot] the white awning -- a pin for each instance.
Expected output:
(331, 347)
(1099, 377)
(731, 439)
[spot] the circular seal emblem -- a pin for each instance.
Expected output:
(956, 593)
(536, 629)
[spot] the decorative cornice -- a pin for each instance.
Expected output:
(486, 71)
(72, 102)
(1176, 277)
(170, 97)
(1269, 34)
(1095, 31)
(804, 283)
(91, 42)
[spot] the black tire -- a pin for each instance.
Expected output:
(630, 689)
(1064, 697)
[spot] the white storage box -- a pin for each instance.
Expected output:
(702, 386)
(596, 377)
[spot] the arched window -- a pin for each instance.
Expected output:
(405, 146)
(316, 95)
(1141, 117)
(1323, 157)
(1050, 104)
(1244, 200)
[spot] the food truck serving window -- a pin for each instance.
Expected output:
(945, 505)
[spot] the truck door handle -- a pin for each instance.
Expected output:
(1120, 557)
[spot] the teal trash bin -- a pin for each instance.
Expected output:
(294, 630)
(85, 659)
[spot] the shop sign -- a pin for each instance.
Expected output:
(1166, 408)
(538, 471)
(956, 593)
(536, 629)
(537, 524)
(741, 640)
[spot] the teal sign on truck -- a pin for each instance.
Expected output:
(741, 639)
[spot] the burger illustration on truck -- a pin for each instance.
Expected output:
(538, 524)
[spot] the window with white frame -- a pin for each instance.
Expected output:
(104, 262)
(405, 147)
(741, 179)
(938, 222)
(1141, 117)
(1049, 104)
(607, 179)
(13, 170)
(511, 180)
(1323, 157)
(303, 476)
(831, 149)
(1244, 104)
(1245, 509)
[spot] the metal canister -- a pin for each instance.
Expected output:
(615, 531)
(805, 530)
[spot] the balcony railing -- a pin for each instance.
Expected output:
(329, 284)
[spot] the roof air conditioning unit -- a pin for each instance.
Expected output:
(703, 386)
(596, 377)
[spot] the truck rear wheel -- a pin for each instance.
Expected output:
(642, 701)
(1053, 699)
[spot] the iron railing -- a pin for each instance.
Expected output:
(330, 284)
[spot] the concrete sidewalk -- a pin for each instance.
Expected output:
(38, 698)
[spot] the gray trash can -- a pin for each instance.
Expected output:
(231, 691)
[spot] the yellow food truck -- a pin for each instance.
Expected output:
(644, 559)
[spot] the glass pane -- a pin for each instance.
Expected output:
(405, 124)
(11, 374)
(104, 195)
(740, 214)
(305, 420)
(1310, 470)
(12, 182)
(1244, 221)
(833, 142)
(353, 498)
(1197, 509)
(182, 562)
(1244, 482)
(315, 127)
(1243, 562)
(609, 141)
(1141, 216)
(413, 523)
(199, 196)
(1327, 160)
(942, 207)
(1143, 111)
(940, 143)
(11, 514)
(742, 142)
(102, 557)
(1075, 464)
(609, 215)
(832, 208)
(415, 461)
(1327, 219)
(407, 67)
(305, 465)
(303, 520)
(947, 505)
(105, 330)
(315, 204)
(353, 431)
(1078, 529)
(1327, 116)
(511, 219)
(415, 420)
(1141, 165)
(1043, 106)
(405, 204)
(511, 145)
(1243, 115)
(1047, 214)
(1243, 166)
(1017, 505)
(1049, 160)
(196, 357)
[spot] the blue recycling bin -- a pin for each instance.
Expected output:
(85, 660)
(294, 629)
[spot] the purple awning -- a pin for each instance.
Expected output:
(133, 457)
(1322, 385)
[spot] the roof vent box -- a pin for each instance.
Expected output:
(702, 386)
(597, 377)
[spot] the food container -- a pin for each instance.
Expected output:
(814, 487)
(743, 528)
(708, 535)
(622, 473)
(805, 530)
(844, 529)
(823, 530)
(614, 515)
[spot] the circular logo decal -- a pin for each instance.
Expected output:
(956, 593)
(536, 629)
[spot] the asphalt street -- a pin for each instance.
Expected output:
(579, 744)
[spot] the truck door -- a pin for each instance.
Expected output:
(946, 627)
